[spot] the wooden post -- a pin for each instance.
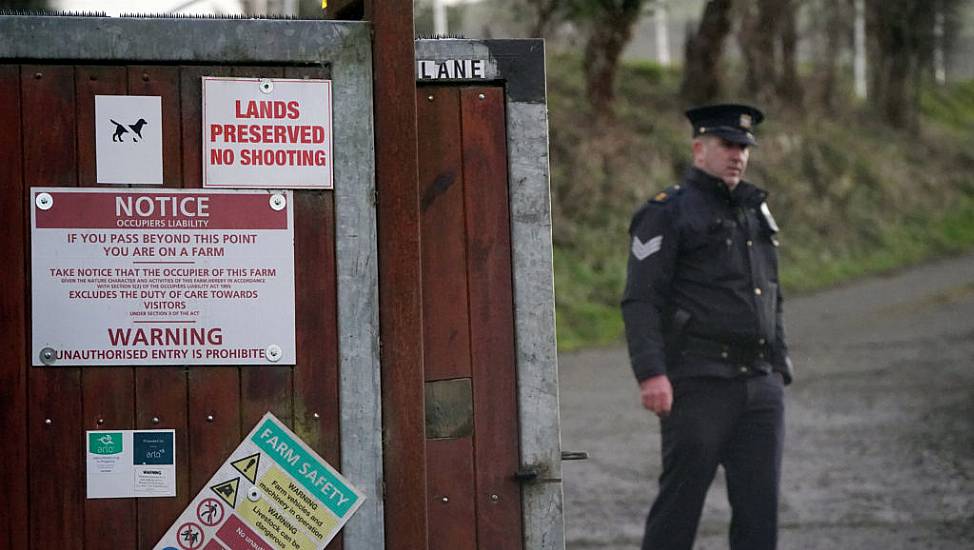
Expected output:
(400, 291)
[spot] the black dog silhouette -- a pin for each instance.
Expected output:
(137, 128)
(121, 130)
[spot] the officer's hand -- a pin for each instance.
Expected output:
(657, 394)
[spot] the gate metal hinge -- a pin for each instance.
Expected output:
(533, 473)
(574, 455)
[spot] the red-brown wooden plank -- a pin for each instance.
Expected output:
(56, 443)
(13, 315)
(108, 394)
(161, 392)
(400, 288)
(450, 476)
(164, 82)
(92, 80)
(264, 388)
(191, 106)
(316, 394)
(316, 410)
(491, 317)
(317, 416)
(160, 399)
(446, 335)
(214, 392)
(108, 403)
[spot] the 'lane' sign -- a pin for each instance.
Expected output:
(452, 69)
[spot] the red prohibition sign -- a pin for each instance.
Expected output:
(189, 536)
(209, 512)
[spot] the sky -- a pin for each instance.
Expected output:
(115, 7)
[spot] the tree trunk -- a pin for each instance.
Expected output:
(756, 39)
(608, 37)
(789, 86)
(543, 16)
(829, 33)
(661, 23)
(902, 44)
(703, 52)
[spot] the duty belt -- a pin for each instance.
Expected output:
(735, 354)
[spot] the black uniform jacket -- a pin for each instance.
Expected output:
(702, 296)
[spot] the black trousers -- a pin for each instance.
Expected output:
(734, 422)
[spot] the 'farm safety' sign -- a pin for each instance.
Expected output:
(267, 133)
(177, 277)
(272, 492)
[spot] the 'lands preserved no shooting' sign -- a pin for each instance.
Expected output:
(267, 133)
(179, 277)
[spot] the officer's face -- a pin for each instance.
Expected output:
(721, 158)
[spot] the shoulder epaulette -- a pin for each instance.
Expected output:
(665, 195)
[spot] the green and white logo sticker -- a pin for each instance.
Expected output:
(105, 443)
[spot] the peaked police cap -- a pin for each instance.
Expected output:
(730, 121)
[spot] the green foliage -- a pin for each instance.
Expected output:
(853, 196)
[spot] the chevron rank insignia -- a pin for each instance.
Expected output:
(642, 250)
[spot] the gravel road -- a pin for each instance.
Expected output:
(879, 450)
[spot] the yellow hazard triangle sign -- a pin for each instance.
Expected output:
(248, 466)
(227, 491)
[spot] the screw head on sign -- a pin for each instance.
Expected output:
(48, 356)
(253, 494)
(278, 201)
(266, 86)
(481, 96)
(44, 201)
(155, 419)
(445, 499)
(273, 353)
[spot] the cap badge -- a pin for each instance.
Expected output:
(660, 197)
(745, 120)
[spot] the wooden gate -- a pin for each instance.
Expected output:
(51, 69)
(468, 316)
(47, 116)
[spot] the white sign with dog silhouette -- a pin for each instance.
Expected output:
(128, 139)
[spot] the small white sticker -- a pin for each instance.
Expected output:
(643, 250)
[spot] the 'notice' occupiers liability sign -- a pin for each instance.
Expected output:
(174, 277)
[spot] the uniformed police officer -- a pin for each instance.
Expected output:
(702, 309)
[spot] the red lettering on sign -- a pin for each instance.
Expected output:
(182, 336)
(267, 109)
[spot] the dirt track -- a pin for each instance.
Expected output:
(880, 425)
